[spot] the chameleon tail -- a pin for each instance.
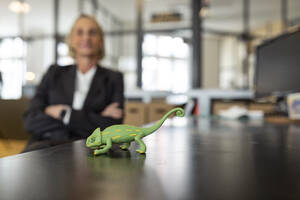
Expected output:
(149, 130)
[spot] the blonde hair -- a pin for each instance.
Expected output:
(72, 52)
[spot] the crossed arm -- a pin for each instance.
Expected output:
(111, 110)
(42, 117)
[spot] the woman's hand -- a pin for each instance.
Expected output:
(113, 111)
(55, 110)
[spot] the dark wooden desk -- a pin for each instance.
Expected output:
(186, 159)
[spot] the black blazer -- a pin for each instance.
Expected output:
(57, 87)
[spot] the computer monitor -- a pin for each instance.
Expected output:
(277, 70)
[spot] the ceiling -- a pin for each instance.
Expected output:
(225, 15)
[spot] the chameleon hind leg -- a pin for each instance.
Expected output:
(105, 149)
(142, 148)
(125, 146)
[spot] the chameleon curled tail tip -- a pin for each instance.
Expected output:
(180, 112)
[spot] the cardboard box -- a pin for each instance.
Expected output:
(265, 107)
(157, 110)
(135, 113)
(11, 119)
(217, 106)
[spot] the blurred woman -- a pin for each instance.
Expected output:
(71, 101)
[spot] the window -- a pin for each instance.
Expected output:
(12, 67)
(165, 63)
(231, 62)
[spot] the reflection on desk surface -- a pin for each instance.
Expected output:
(186, 158)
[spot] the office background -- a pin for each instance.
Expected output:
(194, 53)
(33, 36)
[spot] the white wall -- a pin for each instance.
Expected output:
(68, 12)
(39, 57)
(211, 61)
(40, 18)
(8, 20)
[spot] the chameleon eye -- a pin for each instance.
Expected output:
(92, 139)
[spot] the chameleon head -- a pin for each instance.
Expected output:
(94, 140)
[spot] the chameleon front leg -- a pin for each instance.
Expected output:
(125, 146)
(142, 148)
(105, 149)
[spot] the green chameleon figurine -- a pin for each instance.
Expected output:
(101, 142)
